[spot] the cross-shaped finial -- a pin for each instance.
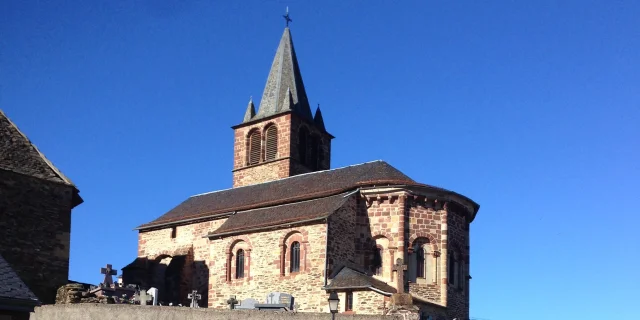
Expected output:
(286, 17)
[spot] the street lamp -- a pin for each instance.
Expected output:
(334, 301)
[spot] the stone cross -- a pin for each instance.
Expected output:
(232, 302)
(143, 297)
(195, 297)
(271, 295)
(399, 268)
(108, 272)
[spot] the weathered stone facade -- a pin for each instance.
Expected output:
(288, 161)
(35, 214)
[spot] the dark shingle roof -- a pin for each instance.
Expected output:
(11, 286)
(283, 83)
(308, 210)
(18, 154)
(293, 189)
(349, 277)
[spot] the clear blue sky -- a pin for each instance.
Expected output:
(531, 108)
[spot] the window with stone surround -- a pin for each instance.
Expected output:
(271, 143)
(312, 161)
(293, 252)
(174, 232)
(238, 261)
(423, 262)
(240, 264)
(295, 257)
(348, 303)
(253, 148)
(377, 262)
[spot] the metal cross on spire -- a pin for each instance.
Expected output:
(286, 17)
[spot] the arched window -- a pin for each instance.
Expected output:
(254, 148)
(240, 264)
(424, 263)
(313, 153)
(377, 261)
(271, 143)
(302, 145)
(420, 265)
(295, 257)
(452, 270)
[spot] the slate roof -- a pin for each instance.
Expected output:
(293, 189)
(11, 286)
(19, 154)
(284, 76)
(350, 276)
(309, 210)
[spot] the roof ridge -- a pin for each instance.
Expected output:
(291, 177)
(57, 171)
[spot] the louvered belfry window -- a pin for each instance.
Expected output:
(254, 148)
(271, 143)
(302, 145)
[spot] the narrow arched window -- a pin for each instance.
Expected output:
(313, 153)
(254, 148)
(240, 264)
(377, 261)
(295, 257)
(451, 273)
(302, 145)
(420, 270)
(271, 143)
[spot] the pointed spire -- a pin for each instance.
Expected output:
(287, 103)
(251, 111)
(317, 119)
(284, 75)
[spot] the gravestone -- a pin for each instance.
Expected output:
(154, 293)
(194, 296)
(249, 304)
(277, 301)
(108, 273)
(143, 297)
(232, 302)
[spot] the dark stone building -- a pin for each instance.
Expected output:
(35, 213)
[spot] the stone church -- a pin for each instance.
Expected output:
(293, 224)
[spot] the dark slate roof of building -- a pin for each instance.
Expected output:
(288, 190)
(11, 286)
(19, 154)
(284, 90)
(350, 276)
(309, 210)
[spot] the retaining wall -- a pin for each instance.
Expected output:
(84, 311)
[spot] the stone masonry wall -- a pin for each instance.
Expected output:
(342, 233)
(134, 312)
(379, 223)
(243, 174)
(35, 219)
(267, 269)
(457, 235)
(159, 245)
(425, 225)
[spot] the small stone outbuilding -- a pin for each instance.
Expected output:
(35, 213)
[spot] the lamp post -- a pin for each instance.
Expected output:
(334, 301)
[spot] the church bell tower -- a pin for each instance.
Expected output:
(283, 138)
